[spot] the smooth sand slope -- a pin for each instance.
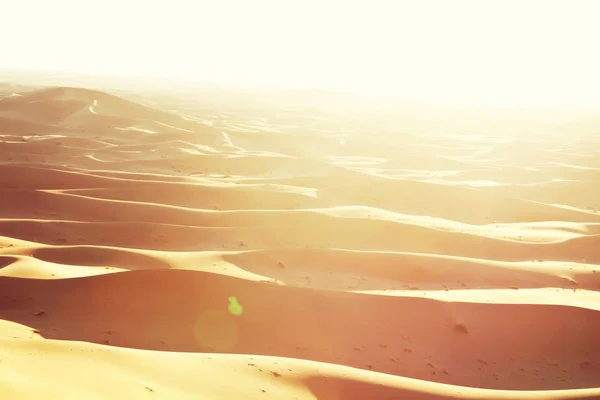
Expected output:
(227, 255)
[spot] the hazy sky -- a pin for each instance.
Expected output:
(484, 51)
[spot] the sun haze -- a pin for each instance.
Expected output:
(464, 51)
(310, 200)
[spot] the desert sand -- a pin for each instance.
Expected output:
(150, 250)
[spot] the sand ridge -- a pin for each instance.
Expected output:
(391, 265)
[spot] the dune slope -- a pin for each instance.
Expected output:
(151, 254)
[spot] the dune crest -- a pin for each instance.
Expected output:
(206, 253)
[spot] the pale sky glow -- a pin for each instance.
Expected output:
(481, 51)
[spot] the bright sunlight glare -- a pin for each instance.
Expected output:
(485, 52)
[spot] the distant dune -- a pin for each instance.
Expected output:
(220, 253)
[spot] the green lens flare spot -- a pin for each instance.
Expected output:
(234, 306)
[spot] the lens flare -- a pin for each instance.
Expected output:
(216, 331)
(234, 306)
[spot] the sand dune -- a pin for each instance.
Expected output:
(145, 253)
(152, 310)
